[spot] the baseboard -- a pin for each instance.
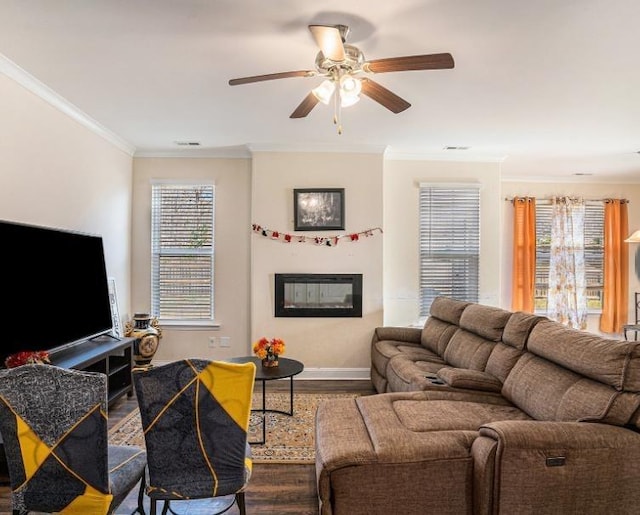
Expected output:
(336, 373)
(351, 374)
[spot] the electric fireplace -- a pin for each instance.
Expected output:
(318, 295)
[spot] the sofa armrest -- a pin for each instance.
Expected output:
(470, 379)
(536, 434)
(400, 334)
(556, 467)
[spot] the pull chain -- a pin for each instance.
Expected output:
(337, 117)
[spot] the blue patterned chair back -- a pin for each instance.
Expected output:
(195, 416)
(54, 427)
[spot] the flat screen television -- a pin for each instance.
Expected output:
(54, 286)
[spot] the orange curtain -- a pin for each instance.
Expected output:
(523, 280)
(616, 267)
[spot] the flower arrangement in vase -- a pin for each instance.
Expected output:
(268, 350)
(27, 357)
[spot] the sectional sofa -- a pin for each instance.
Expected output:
(486, 411)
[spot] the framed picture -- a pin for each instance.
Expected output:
(115, 312)
(318, 209)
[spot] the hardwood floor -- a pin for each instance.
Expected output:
(274, 488)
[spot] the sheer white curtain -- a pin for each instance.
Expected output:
(567, 294)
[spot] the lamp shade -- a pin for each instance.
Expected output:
(346, 101)
(634, 238)
(349, 90)
(350, 85)
(324, 91)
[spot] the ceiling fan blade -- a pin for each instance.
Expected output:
(329, 40)
(272, 76)
(412, 62)
(383, 96)
(305, 106)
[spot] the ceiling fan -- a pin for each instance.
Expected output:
(345, 68)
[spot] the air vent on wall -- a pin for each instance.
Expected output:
(188, 143)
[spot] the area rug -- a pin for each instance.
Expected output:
(289, 439)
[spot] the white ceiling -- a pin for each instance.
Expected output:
(551, 86)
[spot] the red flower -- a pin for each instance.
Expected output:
(26, 358)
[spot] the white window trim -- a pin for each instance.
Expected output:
(185, 324)
(446, 186)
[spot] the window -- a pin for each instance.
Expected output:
(593, 253)
(182, 243)
(449, 243)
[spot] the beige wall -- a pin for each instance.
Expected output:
(327, 343)
(401, 253)
(58, 173)
(589, 190)
(232, 178)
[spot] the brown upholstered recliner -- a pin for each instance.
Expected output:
(544, 421)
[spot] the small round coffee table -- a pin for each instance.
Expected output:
(286, 368)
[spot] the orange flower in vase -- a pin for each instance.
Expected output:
(268, 350)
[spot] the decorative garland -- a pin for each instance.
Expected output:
(327, 241)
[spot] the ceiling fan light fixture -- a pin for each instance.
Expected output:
(342, 64)
(349, 85)
(348, 100)
(350, 89)
(324, 91)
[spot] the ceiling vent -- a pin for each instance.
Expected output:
(457, 148)
(188, 143)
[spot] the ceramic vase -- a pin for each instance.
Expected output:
(270, 361)
(147, 336)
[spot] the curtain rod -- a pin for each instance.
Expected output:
(623, 200)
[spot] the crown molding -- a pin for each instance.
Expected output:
(29, 82)
(316, 148)
(247, 151)
(459, 156)
(595, 179)
(239, 152)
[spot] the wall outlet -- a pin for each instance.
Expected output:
(212, 342)
(225, 341)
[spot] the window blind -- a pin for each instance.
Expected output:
(593, 253)
(449, 243)
(182, 242)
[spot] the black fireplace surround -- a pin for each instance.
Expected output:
(318, 295)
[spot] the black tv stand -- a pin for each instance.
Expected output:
(108, 354)
(102, 337)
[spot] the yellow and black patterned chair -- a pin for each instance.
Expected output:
(195, 416)
(54, 427)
